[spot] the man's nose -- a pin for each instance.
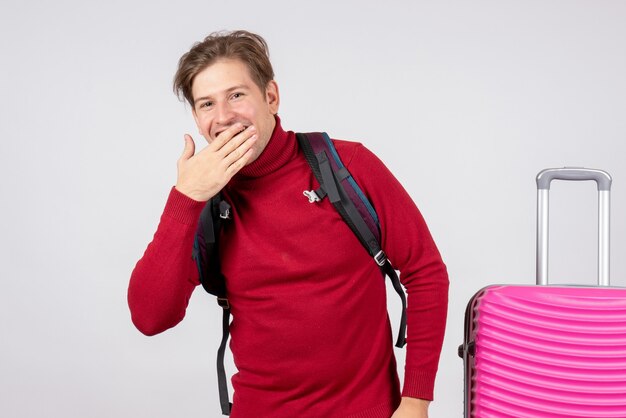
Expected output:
(224, 114)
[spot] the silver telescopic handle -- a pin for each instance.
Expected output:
(603, 181)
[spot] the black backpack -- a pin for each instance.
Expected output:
(337, 184)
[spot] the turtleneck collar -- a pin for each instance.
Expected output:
(281, 148)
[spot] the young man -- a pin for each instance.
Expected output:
(310, 331)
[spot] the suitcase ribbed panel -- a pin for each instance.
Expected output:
(551, 352)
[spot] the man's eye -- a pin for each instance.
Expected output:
(206, 104)
(237, 95)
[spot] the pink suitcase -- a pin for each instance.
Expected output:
(549, 351)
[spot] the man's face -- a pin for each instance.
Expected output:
(224, 93)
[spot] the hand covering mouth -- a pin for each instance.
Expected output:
(242, 129)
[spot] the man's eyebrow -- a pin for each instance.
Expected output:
(228, 90)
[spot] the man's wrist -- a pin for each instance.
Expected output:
(415, 403)
(190, 194)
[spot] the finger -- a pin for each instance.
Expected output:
(225, 136)
(190, 148)
(240, 163)
(237, 141)
(241, 154)
(233, 137)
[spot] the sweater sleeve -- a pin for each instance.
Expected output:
(406, 240)
(164, 278)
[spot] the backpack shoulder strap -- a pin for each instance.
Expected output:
(349, 200)
(343, 192)
(205, 246)
(206, 254)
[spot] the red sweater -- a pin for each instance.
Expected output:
(310, 331)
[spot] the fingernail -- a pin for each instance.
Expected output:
(251, 128)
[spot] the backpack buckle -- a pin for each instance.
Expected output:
(313, 197)
(223, 303)
(380, 258)
(224, 210)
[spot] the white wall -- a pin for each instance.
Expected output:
(464, 101)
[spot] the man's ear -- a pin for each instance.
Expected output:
(272, 96)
